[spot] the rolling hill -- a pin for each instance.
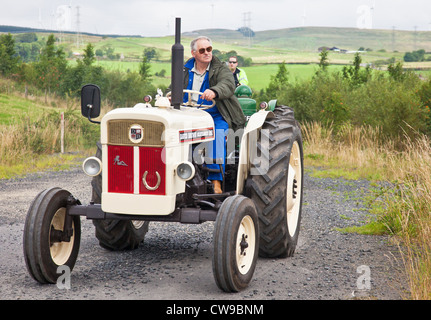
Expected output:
(290, 45)
(311, 38)
(299, 39)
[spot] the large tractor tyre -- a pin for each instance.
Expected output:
(276, 187)
(236, 242)
(45, 246)
(114, 234)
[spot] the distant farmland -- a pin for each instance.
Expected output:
(298, 47)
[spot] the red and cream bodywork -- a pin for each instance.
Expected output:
(141, 150)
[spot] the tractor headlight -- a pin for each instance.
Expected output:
(185, 170)
(263, 105)
(92, 166)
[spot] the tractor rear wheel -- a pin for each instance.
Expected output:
(45, 243)
(236, 242)
(113, 234)
(277, 188)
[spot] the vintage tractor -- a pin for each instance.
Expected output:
(150, 166)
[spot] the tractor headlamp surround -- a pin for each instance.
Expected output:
(92, 166)
(185, 171)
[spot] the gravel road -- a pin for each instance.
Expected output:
(174, 262)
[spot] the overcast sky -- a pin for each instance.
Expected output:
(157, 17)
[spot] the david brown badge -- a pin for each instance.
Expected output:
(136, 133)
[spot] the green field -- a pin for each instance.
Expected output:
(12, 108)
(273, 46)
(297, 47)
(258, 75)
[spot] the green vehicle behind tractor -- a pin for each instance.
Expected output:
(249, 105)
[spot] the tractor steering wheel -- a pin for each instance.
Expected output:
(190, 103)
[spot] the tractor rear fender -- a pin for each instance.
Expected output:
(249, 146)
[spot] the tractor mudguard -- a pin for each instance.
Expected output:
(254, 124)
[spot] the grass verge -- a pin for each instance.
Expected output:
(30, 140)
(399, 204)
(55, 162)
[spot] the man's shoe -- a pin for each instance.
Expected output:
(217, 186)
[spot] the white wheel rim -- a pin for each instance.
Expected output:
(245, 255)
(293, 204)
(60, 251)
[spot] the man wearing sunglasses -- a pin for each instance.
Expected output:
(206, 73)
(239, 75)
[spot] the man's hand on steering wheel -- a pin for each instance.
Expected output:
(208, 95)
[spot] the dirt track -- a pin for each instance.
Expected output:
(174, 262)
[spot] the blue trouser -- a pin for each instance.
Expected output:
(217, 148)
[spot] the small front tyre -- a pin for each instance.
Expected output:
(236, 237)
(44, 244)
(116, 235)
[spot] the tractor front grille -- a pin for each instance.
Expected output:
(118, 133)
(120, 169)
(136, 170)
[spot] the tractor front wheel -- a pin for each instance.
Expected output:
(46, 244)
(236, 236)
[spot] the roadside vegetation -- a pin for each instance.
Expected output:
(357, 122)
(398, 203)
(377, 127)
(30, 133)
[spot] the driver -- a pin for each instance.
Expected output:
(206, 73)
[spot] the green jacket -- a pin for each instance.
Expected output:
(222, 82)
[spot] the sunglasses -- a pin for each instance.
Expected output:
(202, 50)
(232, 62)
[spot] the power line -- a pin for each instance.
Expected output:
(247, 25)
(78, 28)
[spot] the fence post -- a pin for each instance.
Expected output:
(62, 132)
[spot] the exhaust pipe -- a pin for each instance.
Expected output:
(177, 67)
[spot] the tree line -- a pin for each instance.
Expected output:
(51, 73)
(43, 66)
(396, 101)
(416, 56)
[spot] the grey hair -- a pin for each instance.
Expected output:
(193, 43)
